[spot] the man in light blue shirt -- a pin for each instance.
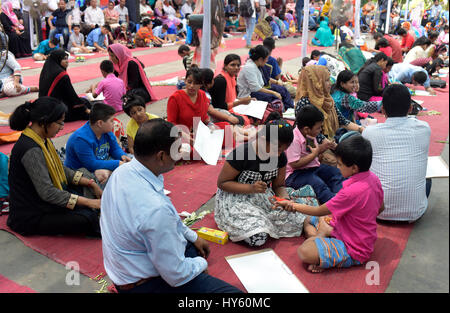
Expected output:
(146, 246)
(97, 38)
(400, 154)
(406, 73)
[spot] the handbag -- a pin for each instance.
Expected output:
(438, 83)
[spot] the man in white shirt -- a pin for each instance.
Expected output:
(187, 8)
(400, 154)
(146, 246)
(124, 17)
(93, 18)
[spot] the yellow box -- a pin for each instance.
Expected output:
(213, 235)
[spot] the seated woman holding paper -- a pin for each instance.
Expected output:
(185, 105)
(252, 173)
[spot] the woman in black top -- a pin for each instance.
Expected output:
(18, 42)
(47, 198)
(371, 77)
(55, 82)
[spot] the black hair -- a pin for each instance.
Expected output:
(269, 43)
(390, 62)
(432, 34)
(230, 58)
(258, 52)
(269, 19)
(107, 27)
(315, 53)
(131, 100)
(420, 77)
(346, 45)
(446, 27)
(308, 116)
(378, 57)
(207, 76)
(355, 150)
(165, 26)
(152, 137)
(396, 100)
(431, 67)
(421, 41)
(382, 43)
(402, 31)
(146, 22)
(107, 66)
(76, 25)
(305, 61)
(44, 111)
(100, 111)
(285, 130)
(342, 77)
(377, 35)
(54, 41)
(183, 48)
(196, 75)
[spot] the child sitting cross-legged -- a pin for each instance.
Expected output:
(113, 88)
(134, 107)
(303, 166)
(350, 236)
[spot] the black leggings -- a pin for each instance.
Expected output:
(79, 221)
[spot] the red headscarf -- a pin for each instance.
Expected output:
(124, 55)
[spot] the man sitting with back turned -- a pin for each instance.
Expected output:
(146, 246)
(400, 155)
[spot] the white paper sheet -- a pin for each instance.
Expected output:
(421, 93)
(436, 167)
(208, 144)
(289, 114)
(90, 97)
(265, 272)
(254, 108)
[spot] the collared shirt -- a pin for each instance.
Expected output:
(403, 72)
(400, 154)
(96, 36)
(113, 89)
(355, 208)
(297, 150)
(436, 10)
(123, 12)
(142, 234)
(94, 16)
(249, 79)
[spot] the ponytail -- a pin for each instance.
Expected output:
(44, 111)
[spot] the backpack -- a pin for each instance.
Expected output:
(245, 8)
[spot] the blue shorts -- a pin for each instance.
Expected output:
(332, 251)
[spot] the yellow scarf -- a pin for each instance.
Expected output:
(54, 164)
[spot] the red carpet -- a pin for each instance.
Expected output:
(8, 286)
(192, 185)
(389, 247)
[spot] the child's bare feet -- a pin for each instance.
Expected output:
(313, 268)
(324, 228)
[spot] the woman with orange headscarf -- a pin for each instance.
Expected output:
(314, 87)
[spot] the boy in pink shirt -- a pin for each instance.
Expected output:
(113, 88)
(349, 237)
(303, 166)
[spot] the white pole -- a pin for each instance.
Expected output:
(357, 19)
(305, 28)
(206, 35)
(406, 10)
(388, 17)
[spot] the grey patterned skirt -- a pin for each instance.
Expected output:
(244, 215)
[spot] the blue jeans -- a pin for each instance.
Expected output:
(203, 283)
(250, 23)
(326, 181)
(299, 11)
(61, 30)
